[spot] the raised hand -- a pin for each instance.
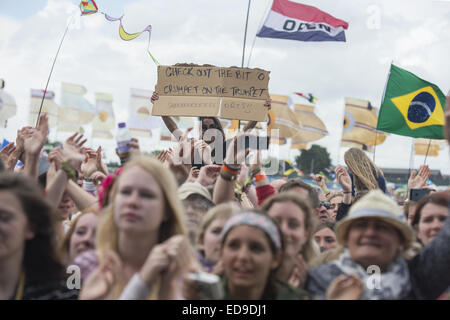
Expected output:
(75, 140)
(235, 154)
(20, 139)
(193, 174)
(34, 138)
(418, 180)
(208, 174)
(6, 153)
(320, 180)
(256, 162)
(343, 178)
(55, 157)
(100, 165)
(205, 151)
(243, 174)
(89, 165)
(155, 96)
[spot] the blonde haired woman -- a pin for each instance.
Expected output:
(140, 237)
(365, 175)
(297, 220)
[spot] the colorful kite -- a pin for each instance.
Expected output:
(90, 7)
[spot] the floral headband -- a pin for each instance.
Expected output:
(257, 220)
(105, 188)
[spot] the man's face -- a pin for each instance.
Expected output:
(65, 206)
(195, 210)
(322, 210)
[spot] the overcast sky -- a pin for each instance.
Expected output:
(412, 33)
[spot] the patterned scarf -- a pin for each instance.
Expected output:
(393, 284)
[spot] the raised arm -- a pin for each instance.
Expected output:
(168, 121)
(65, 162)
(224, 188)
(34, 140)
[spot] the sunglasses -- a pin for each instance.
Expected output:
(325, 204)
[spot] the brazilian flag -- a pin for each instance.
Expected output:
(411, 106)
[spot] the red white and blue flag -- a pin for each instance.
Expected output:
(295, 21)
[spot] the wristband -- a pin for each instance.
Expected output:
(71, 174)
(227, 175)
(229, 170)
(232, 167)
(260, 176)
(347, 192)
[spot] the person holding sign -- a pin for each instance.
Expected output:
(207, 124)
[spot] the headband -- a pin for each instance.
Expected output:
(255, 220)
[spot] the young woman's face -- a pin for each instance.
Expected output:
(326, 239)
(372, 241)
(83, 237)
(14, 229)
(211, 239)
(139, 202)
(247, 257)
(291, 220)
(432, 218)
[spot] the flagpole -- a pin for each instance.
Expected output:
(245, 33)
(51, 71)
(243, 47)
(411, 157)
(425, 161)
(375, 145)
(254, 39)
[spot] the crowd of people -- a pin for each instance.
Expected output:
(202, 221)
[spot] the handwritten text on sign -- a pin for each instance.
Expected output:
(233, 93)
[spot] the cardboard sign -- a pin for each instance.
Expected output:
(230, 93)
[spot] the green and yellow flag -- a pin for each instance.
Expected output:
(411, 106)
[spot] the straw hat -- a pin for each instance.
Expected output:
(376, 205)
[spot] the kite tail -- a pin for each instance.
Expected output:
(130, 36)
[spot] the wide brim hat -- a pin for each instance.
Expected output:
(376, 205)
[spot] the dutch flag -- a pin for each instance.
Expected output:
(295, 21)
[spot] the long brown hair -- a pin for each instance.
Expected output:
(41, 262)
(364, 171)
